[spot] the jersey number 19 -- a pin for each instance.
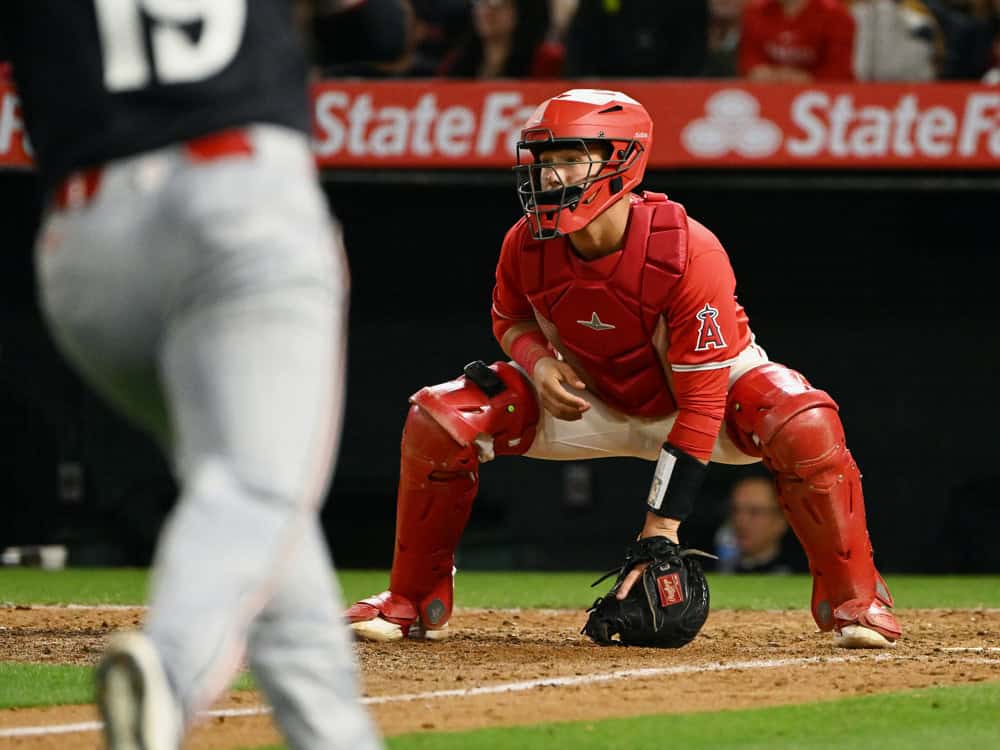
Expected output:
(189, 40)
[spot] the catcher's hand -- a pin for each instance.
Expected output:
(665, 608)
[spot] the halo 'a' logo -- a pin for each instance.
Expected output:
(709, 333)
(733, 123)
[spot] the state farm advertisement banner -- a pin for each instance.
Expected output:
(697, 124)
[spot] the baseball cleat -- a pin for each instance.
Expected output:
(377, 630)
(419, 632)
(382, 631)
(865, 625)
(389, 617)
(858, 636)
(134, 698)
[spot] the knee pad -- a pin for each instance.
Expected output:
(506, 412)
(795, 428)
(763, 400)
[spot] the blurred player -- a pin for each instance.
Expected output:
(190, 270)
(619, 313)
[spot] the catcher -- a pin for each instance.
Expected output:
(619, 314)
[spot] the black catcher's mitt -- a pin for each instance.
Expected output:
(665, 608)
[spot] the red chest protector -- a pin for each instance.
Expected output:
(606, 311)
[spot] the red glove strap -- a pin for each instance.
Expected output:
(528, 348)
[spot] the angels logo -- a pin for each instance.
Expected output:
(670, 589)
(709, 334)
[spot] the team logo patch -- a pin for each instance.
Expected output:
(709, 333)
(434, 612)
(670, 589)
(596, 324)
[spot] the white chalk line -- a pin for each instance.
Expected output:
(483, 610)
(521, 686)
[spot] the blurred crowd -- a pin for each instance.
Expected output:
(761, 40)
(758, 40)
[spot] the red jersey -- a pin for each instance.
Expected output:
(651, 329)
(819, 39)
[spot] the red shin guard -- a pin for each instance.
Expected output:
(438, 480)
(773, 412)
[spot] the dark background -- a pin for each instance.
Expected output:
(881, 289)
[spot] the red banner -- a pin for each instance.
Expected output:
(698, 124)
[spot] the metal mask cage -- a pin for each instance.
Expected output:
(537, 201)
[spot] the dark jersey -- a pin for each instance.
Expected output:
(104, 79)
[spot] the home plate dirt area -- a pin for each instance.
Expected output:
(506, 667)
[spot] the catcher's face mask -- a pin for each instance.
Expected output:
(577, 120)
(563, 184)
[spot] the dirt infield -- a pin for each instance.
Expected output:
(502, 668)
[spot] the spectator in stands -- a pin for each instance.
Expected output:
(505, 41)
(332, 50)
(797, 41)
(440, 26)
(436, 28)
(755, 538)
(724, 21)
(637, 38)
(992, 76)
(896, 40)
(967, 30)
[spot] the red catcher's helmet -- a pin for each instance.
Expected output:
(581, 118)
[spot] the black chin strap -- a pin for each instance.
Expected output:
(567, 197)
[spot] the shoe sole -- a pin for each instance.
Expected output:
(378, 630)
(858, 636)
(124, 697)
(120, 696)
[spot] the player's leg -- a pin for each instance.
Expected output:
(101, 295)
(773, 412)
(449, 430)
(253, 365)
(297, 643)
(99, 272)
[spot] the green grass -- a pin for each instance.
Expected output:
(24, 685)
(963, 717)
(73, 585)
(493, 589)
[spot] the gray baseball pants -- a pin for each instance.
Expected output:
(207, 302)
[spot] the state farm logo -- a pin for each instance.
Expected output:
(839, 127)
(831, 128)
(357, 126)
(733, 124)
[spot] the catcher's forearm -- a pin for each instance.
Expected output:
(676, 482)
(659, 526)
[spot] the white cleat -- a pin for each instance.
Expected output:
(379, 630)
(133, 696)
(438, 634)
(858, 636)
